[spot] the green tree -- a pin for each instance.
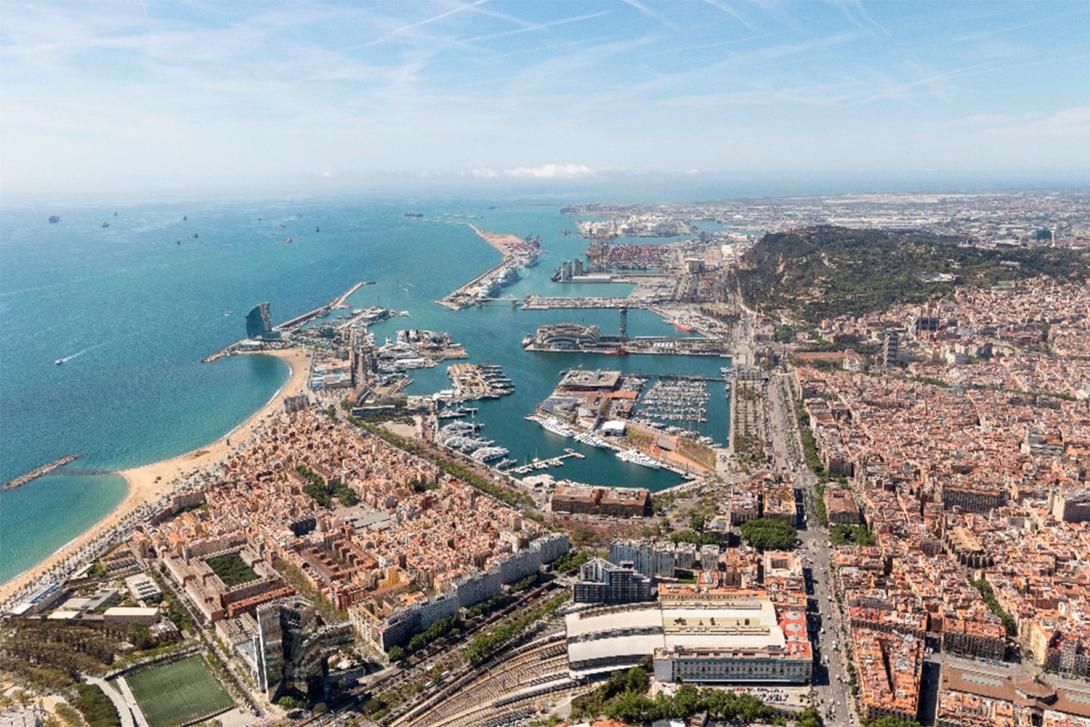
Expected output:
(769, 534)
(96, 707)
(809, 717)
(893, 722)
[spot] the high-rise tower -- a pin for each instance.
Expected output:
(259, 322)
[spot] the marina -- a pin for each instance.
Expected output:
(614, 410)
(675, 400)
(143, 429)
(538, 465)
(479, 381)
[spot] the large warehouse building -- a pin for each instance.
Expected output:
(706, 635)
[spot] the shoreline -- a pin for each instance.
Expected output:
(147, 483)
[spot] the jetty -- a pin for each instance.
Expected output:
(515, 253)
(339, 302)
(544, 302)
(544, 464)
(37, 472)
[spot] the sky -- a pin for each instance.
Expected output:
(131, 95)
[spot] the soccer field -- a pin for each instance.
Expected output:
(175, 693)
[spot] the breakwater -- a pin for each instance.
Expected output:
(338, 302)
(37, 472)
(515, 252)
(289, 325)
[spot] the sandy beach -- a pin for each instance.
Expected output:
(150, 481)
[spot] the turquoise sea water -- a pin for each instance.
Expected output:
(136, 305)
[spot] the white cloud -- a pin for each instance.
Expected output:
(545, 171)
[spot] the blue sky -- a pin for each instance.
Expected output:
(227, 94)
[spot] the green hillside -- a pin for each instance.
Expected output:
(825, 271)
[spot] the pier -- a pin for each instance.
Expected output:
(37, 472)
(643, 345)
(343, 300)
(514, 252)
(463, 298)
(544, 302)
(544, 464)
(338, 302)
(664, 377)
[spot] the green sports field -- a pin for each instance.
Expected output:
(175, 693)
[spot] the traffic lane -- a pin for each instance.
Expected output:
(836, 692)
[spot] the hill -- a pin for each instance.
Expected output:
(826, 271)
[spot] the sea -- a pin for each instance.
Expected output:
(132, 297)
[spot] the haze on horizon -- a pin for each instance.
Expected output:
(142, 94)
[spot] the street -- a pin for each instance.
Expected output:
(828, 632)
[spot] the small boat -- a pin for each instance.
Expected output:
(54, 219)
(287, 240)
(105, 225)
(58, 362)
(317, 229)
(196, 236)
(185, 218)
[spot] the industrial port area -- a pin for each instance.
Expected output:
(875, 517)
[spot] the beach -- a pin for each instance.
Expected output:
(149, 482)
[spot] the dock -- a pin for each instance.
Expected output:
(37, 472)
(644, 346)
(461, 298)
(514, 253)
(544, 464)
(338, 302)
(545, 302)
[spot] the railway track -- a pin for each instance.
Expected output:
(530, 667)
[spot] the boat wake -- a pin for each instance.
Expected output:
(77, 354)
